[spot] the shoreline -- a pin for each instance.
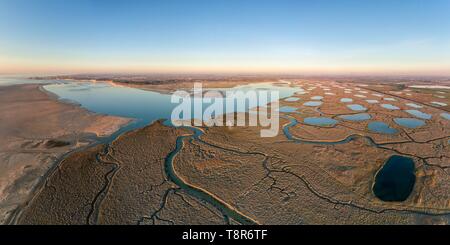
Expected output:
(76, 104)
(24, 137)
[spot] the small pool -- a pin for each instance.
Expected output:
(414, 105)
(346, 100)
(287, 109)
(389, 106)
(419, 114)
(395, 181)
(292, 99)
(381, 127)
(317, 97)
(356, 117)
(445, 115)
(409, 122)
(313, 103)
(320, 121)
(356, 107)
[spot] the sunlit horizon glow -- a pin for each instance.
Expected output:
(174, 36)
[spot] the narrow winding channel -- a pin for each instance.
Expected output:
(228, 211)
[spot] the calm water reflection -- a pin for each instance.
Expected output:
(145, 106)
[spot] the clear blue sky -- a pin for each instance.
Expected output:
(361, 36)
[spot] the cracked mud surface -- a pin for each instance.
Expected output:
(312, 179)
(36, 130)
(122, 183)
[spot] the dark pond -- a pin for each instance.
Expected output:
(395, 181)
(320, 121)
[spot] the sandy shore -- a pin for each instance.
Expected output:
(35, 131)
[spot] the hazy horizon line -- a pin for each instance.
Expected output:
(230, 74)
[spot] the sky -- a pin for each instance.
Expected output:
(225, 36)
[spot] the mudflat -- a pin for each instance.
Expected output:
(120, 183)
(36, 130)
(307, 174)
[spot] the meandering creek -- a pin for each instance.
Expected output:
(393, 182)
(227, 210)
(147, 106)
